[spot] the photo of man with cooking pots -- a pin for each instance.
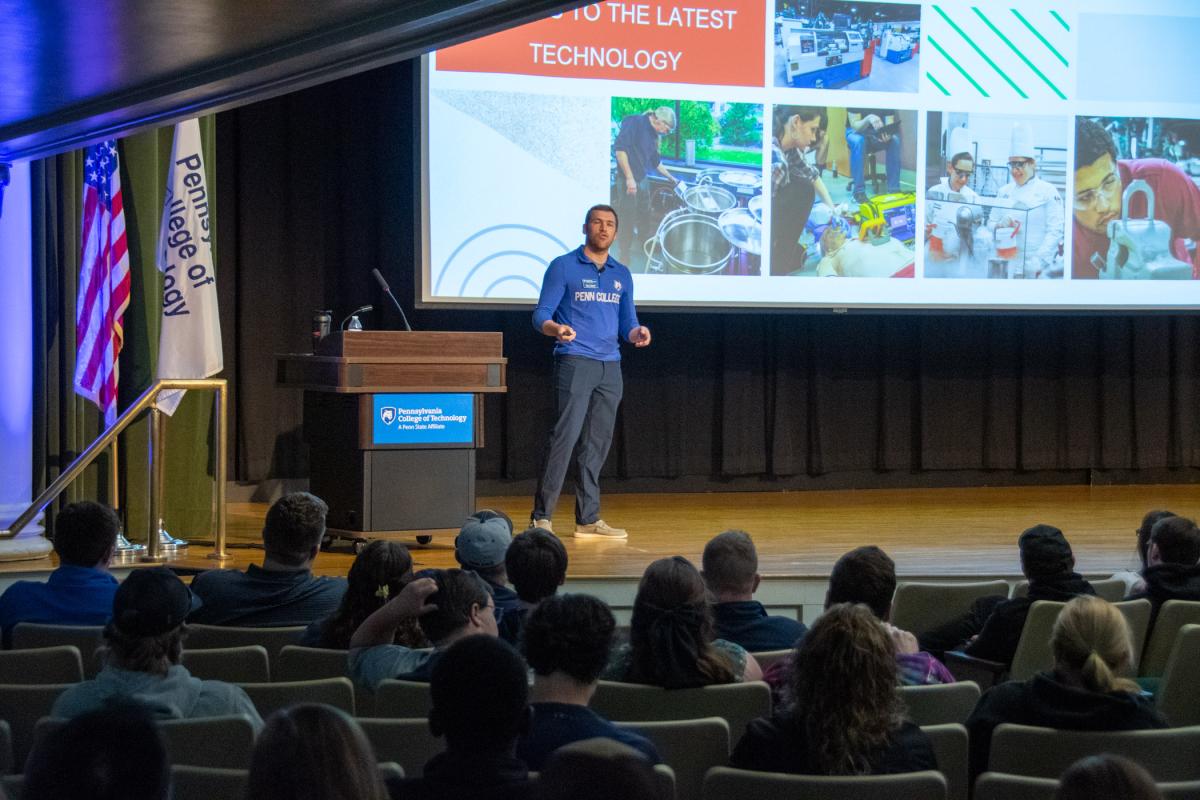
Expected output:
(686, 178)
(994, 189)
(843, 205)
(1135, 199)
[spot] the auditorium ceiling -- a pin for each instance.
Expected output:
(74, 72)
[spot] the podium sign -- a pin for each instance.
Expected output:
(426, 419)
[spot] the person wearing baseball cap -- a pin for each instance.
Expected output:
(144, 642)
(480, 546)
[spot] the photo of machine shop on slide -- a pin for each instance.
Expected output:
(842, 44)
(842, 192)
(1135, 199)
(994, 188)
(687, 179)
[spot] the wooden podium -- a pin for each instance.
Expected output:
(393, 419)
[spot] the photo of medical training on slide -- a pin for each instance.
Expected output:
(687, 186)
(1136, 201)
(994, 187)
(841, 44)
(842, 192)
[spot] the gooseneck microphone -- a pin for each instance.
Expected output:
(387, 290)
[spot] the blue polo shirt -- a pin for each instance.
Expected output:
(72, 595)
(597, 303)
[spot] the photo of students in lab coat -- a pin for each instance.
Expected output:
(994, 196)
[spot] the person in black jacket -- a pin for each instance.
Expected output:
(1091, 645)
(842, 713)
(992, 628)
(1171, 571)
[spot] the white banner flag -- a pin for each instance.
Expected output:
(190, 343)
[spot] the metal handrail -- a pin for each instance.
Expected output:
(146, 401)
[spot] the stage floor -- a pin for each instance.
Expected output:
(929, 532)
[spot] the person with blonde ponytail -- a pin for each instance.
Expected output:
(1086, 690)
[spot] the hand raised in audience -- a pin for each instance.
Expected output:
(905, 642)
(411, 600)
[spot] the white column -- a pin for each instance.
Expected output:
(16, 368)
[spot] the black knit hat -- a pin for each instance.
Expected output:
(151, 602)
(1045, 552)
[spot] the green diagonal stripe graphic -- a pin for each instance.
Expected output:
(1061, 21)
(1041, 38)
(957, 66)
(1020, 55)
(937, 83)
(982, 54)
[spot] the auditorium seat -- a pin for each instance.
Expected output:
(1171, 754)
(952, 751)
(403, 700)
(1172, 616)
(205, 783)
(737, 703)
(690, 747)
(247, 664)
(1002, 786)
(86, 638)
(221, 742)
(767, 658)
(921, 607)
(940, 703)
(1178, 696)
(297, 663)
(1111, 589)
(207, 637)
(407, 742)
(270, 697)
(22, 706)
(726, 783)
(59, 664)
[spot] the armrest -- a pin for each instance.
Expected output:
(969, 668)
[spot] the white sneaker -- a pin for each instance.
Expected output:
(600, 530)
(544, 524)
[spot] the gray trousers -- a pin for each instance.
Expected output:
(586, 394)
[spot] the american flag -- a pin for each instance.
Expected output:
(103, 281)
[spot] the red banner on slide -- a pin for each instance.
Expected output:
(669, 41)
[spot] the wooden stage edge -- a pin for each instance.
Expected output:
(931, 533)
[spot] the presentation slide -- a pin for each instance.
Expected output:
(1017, 155)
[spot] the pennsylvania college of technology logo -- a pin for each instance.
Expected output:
(617, 285)
(387, 414)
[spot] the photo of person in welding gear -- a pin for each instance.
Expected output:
(871, 131)
(1025, 189)
(795, 183)
(636, 150)
(1108, 244)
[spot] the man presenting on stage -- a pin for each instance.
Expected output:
(586, 303)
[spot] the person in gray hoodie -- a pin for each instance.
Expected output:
(144, 645)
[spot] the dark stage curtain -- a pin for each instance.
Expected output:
(317, 189)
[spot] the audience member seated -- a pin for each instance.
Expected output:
(597, 769)
(867, 575)
(114, 753)
(283, 591)
(567, 643)
(144, 644)
(842, 713)
(1106, 776)
(1091, 645)
(730, 570)
(450, 605)
(313, 752)
(80, 591)
(536, 562)
(480, 546)
(1133, 580)
(480, 693)
(992, 628)
(671, 640)
(1171, 570)
(378, 574)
